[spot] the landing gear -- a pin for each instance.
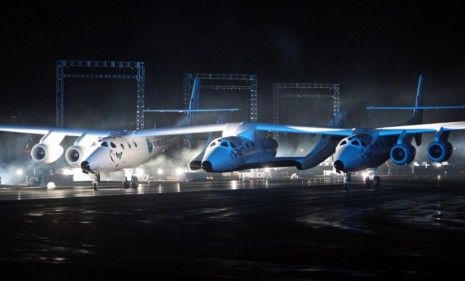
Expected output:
(134, 183)
(347, 180)
(377, 182)
(372, 180)
(96, 180)
(125, 183)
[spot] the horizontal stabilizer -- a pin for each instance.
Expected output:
(416, 107)
(193, 110)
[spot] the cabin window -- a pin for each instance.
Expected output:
(113, 145)
(355, 142)
(225, 144)
(343, 143)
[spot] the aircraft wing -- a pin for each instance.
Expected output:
(275, 128)
(421, 128)
(42, 130)
(171, 131)
(278, 128)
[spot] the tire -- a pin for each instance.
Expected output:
(126, 184)
(134, 182)
(377, 182)
(368, 183)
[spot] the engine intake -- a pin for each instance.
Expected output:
(195, 165)
(439, 151)
(73, 155)
(45, 153)
(402, 154)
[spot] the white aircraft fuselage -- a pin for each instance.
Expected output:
(115, 153)
(234, 152)
(362, 151)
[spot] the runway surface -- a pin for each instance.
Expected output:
(233, 230)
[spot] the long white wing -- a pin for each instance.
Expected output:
(41, 130)
(171, 131)
(421, 128)
(278, 128)
(275, 128)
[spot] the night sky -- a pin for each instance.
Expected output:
(374, 49)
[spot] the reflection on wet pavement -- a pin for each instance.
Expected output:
(234, 230)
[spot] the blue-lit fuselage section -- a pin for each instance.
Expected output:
(362, 151)
(232, 153)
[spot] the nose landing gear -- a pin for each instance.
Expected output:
(95, 180)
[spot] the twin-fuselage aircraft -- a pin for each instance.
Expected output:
(245, 145)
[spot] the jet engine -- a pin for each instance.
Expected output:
(402, 154)
(46, 153)
(439, 151)
(74, 155)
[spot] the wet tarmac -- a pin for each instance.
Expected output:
(233, 230)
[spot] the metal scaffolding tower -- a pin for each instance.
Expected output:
(64, 70)
(303, 91)
(228, 85)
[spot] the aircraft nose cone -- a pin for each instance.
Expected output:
(207, 166)
(85, 166)
(338, 165)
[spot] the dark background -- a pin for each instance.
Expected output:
(374, 49)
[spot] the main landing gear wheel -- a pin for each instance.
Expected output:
(134, 182)
(376, 182)
(125, 183)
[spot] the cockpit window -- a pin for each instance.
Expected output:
(225, 144)
(212, 144)
(355, 142)
(342, 143)
(105, 144)
(363, 143)
(112, 145)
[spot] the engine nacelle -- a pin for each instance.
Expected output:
(74, 155)
(195, 165)
(402, 154)
(45, 153)
(439, 151)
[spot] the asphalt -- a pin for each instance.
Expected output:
(233, 230)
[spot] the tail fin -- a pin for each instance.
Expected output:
(418, 108)
(418, 112)
(417, 117)
(194, 101)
